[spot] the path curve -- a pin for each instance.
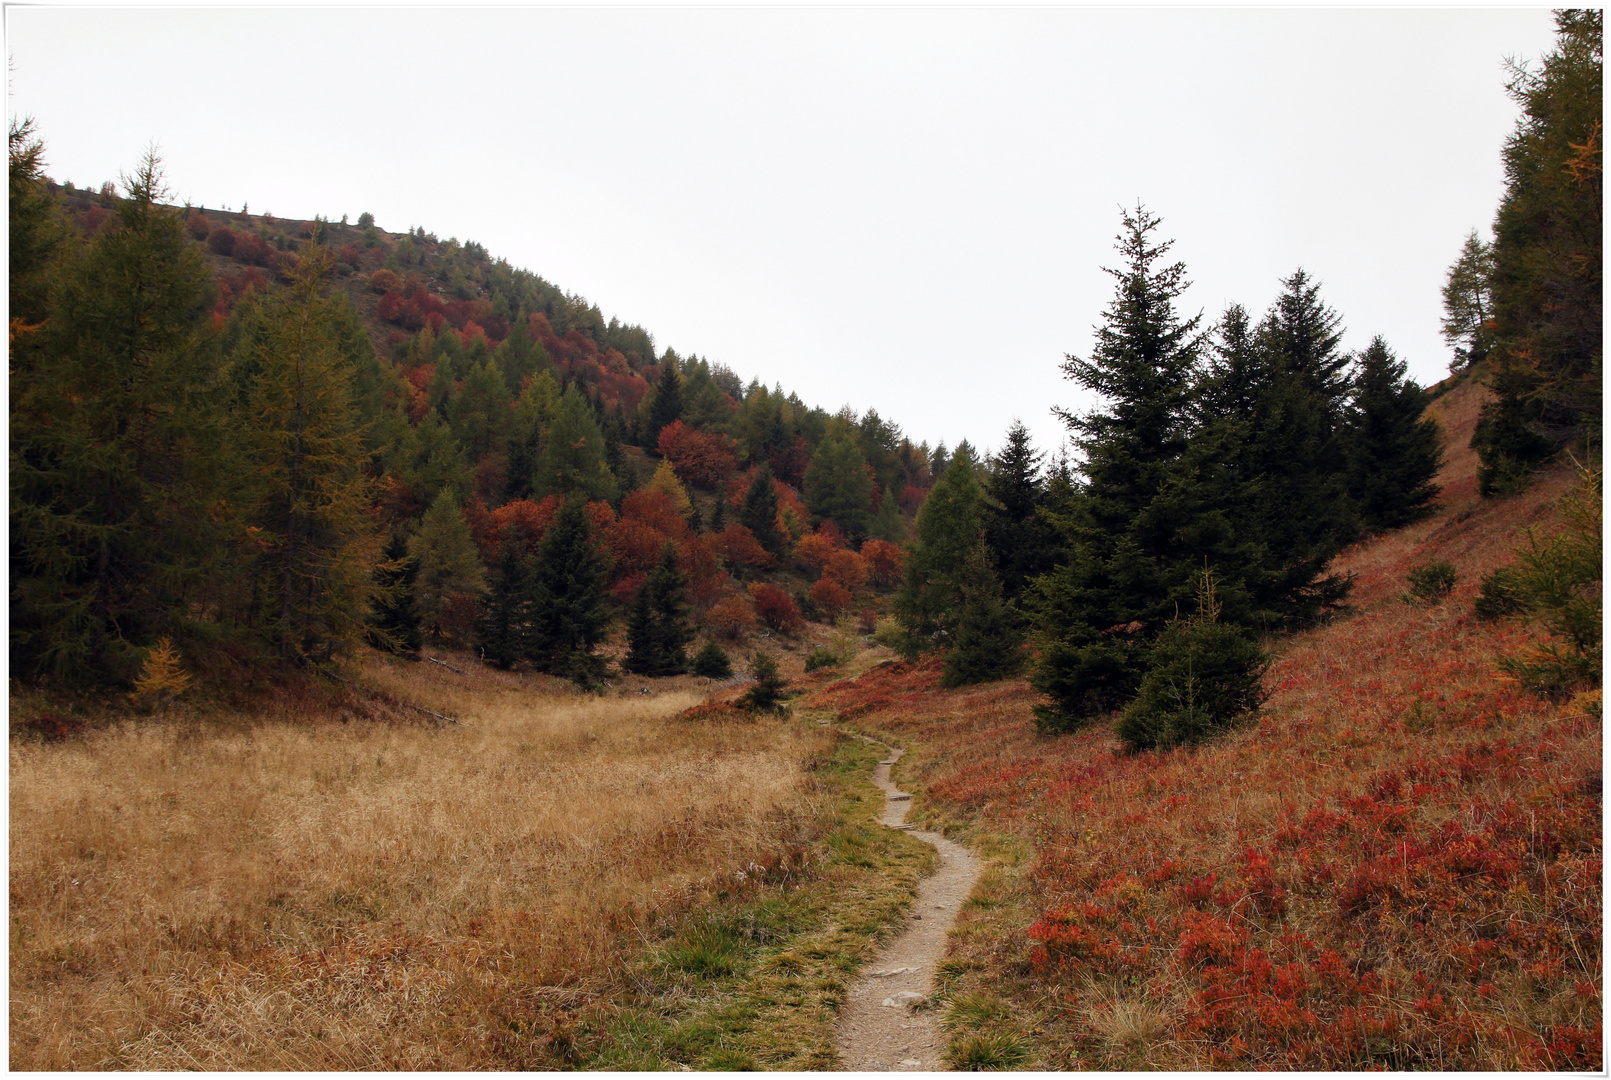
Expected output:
(877, 1032)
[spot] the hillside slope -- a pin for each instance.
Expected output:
(1398, 865)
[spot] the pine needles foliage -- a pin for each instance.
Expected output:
(1204, 676)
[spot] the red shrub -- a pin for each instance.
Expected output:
(848, 569)
(222, 240)
(197, 224)
(740, 548)
(813, 550)
(776, 608)
(831, 597)
(529, 519)
(701, 458)
(885, 562)
(731, 618)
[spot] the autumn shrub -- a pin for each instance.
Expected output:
(731, 618)
(742, 550)
(885, 562)
(776, 608)
(1431, 582)
(847, 568)
(704, 459)
(222, 240)
(831, 597)
(198, 227)
(812, 551)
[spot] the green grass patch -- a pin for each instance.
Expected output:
(758, 984)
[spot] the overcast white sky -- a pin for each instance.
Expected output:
(903, 209)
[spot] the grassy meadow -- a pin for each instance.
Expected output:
(336, 882)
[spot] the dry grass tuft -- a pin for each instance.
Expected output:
(284, 890)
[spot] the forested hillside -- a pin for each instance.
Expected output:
(267, 440)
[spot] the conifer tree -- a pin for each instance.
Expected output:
(838, 486)
(665, 480)
(658, 632)
(759, 511)
(568, 612)
(572, 455)
(1393, 452)
(887, 523)
(712, 662)
(393, 624)
(479, 414)
(504, 613)
(948, 529)
(1127, 565)
(531, 416)
(311, 491)
(1205, 674)
(121, 476)
(666, 405)
(1547, 277)
(1468, 303)
(1022, 544)
(450, 579)
(986, 645)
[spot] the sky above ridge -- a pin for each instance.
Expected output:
(896, 208)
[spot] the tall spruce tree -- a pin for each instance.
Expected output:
(759, 511)
(568, 612)
(122, 483)
(1023, 545)
(503, 616)
(311, 491)
(986, 643)
(1130, 542)
(393, 624)
(657, 631)
(1393, 451)
(666, 405)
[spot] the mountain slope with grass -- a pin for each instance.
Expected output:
(1396, 864)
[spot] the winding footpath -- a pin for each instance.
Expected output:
(879, 1030)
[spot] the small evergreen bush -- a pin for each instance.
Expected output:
(1432, 582)
(1498, 595)
(712, 662)
(1205, 675)
(767, 693)
(820, 658)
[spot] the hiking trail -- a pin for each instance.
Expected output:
(879, 1028)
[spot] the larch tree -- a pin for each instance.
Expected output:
(1547, 277)
(121, 478)
(451, 579)
(311, 493)
(838, 486)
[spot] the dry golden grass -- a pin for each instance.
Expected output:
(289, 891)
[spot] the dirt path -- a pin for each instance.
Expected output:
(878, 1028)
